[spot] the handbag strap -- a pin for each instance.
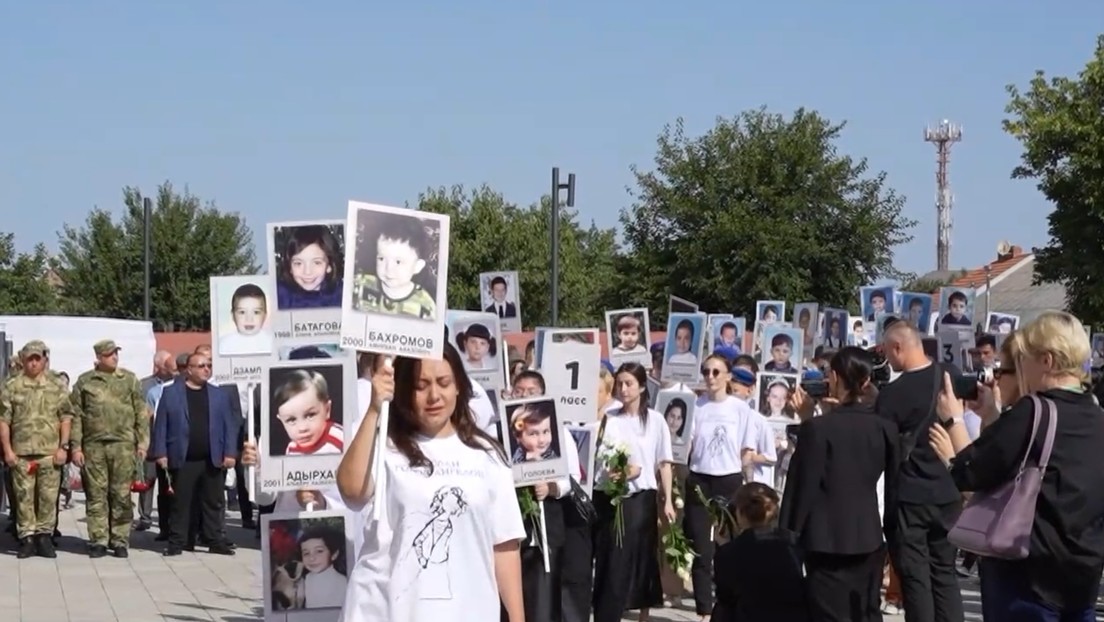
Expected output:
(602, 430)
(1041, 406)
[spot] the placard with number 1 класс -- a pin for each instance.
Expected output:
(570, 361)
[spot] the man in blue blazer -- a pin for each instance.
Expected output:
(195, 439)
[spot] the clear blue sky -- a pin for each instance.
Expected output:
(285, 110)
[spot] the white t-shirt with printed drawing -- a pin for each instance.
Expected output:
(720, 431)
(431, 555)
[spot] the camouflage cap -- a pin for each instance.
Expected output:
(35, 347)
(105, 347)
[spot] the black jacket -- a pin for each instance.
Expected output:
(759, 578)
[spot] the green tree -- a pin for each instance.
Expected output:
(1060, 124)
(760, 207)
(25, 287)
(489, 234)
(101, 263)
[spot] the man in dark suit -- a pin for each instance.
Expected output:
(499, 305)
(195, 438)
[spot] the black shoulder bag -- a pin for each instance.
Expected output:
(908, 439)
(584, 506)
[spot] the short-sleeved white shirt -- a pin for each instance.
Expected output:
(720, 432)
(440, 532)
(765, 445)
(618, 432)
(654, 440)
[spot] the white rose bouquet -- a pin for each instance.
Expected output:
(615, 458)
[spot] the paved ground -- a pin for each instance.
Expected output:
(192, 587)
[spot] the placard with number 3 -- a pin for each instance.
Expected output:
(954, 347)
(570, 360)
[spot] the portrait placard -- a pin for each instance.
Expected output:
(783, 349)
(500, 294)
(304, 408)
(477, 337)
(534, 440)
(875, 300)
(1001, 323)
(956, 306)
(955, 344)
(680, 305)
(916, 309)
(1097, 341)
(628, 337)
(805, 317)
(295, 545)
(241, 327)
(684, 347)
(862, 332)
(311, 352)
(677, 408)
(834, 333)
(571, 359)
(880, 326)
(769, 311)
(726, 331)
(586, 439)
(306, 260)
(774, 395)
(395, 299)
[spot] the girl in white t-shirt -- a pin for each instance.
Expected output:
(626, 576)
(446, 544)
(724, 436)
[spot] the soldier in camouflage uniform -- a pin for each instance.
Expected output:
(35, 420)
(401, 249)
(109, 436)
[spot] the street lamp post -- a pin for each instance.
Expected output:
(556, 188)
(147, 234)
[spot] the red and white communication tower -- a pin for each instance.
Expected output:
(943, 136)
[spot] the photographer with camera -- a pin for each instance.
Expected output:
(927, 501)
(831, 501)
(1060, 576)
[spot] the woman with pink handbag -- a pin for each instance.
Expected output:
(1037, 473)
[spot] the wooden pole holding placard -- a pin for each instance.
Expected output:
(378, 448)
(555, 234)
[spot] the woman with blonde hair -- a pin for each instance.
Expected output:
(1060, 578)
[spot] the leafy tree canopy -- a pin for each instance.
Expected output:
(101, 263)
(490, 234)
(1060, 125)
(760, 207)
(24, 284)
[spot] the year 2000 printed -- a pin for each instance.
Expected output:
(352, 342)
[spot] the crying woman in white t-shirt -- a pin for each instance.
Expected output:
(447, 504)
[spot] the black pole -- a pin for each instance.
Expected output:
(147, 234)
(555, 233)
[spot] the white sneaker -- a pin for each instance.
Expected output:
(891, 609)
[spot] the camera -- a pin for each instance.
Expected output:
(881, 374)
(814, 384)
(966, 385)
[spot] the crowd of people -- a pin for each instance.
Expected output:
(882, 459)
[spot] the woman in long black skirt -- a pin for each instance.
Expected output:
(626, 573)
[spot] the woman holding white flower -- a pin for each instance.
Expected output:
(724, 436)
(626, 554)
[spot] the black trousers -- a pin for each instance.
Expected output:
(845, 588)
(540, 588)
(697, 523)
(164, 501)
(576, 568)
(198, 487)
(626, 575)
(925, 562)
(245, 505)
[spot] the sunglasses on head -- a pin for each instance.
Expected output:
(711, 372)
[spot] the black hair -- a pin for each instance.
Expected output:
(854, 369)
(334, 541)
(878, 293)
(299, 238)
(306, 353)
(637, 371)
(987, 340)
(746, 360)
(728, 325)
(409, 230)
(497, 280)
(688, 325)
(681, 404)
(249, 290)
(532, 375)
(956, 296)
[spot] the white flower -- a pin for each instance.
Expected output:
(622, 448)
(689, 557)
(684, 574)
(679, 503)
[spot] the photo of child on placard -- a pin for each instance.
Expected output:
(305, 561)
(805, 319)
(397, 265)
(677, 408)
(859, 336)
(956, 304)
(728, 332)
(1097, 341)
(478, 345)
(875, 301)
(499, 294)
(782, 349)
(684, 339)
(242, 324)
(835, 332)
(308, 262)
(880, 325)
(916, 310)
(532, 427)
(311, 352)
(768, 311)
(1001, 323)
(628, 337)
(306, 406)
